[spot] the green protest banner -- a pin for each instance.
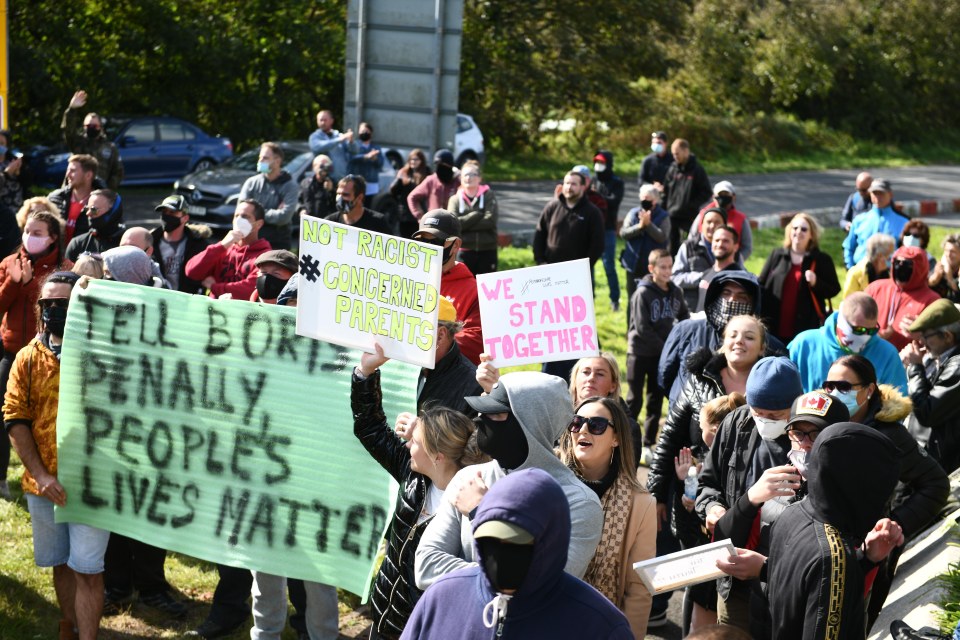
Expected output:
(210, 428)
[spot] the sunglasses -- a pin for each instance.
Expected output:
(596, 425)
(799, 228)
(839, 385)
(797, 436)
(47, 303)
(865, 331)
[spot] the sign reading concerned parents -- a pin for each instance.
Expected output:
(210, 428)
(538, 314)
(359, 287)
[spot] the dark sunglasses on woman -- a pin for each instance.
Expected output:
(839, 385)
(595, 425)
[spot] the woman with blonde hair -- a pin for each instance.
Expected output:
(798, 280)
(39, 254)
(476, 207)
(597, 446)
(422, 456)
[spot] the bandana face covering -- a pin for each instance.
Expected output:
(502, 440)
(505, 565)
(720, 311)
(848, 339)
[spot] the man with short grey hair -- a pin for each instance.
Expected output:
(936, 394)
(852, 329)
(276, 191)
(858, 202)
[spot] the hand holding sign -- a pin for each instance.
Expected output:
(487, 374)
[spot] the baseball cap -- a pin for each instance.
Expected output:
(583, 170)
(880, 184)
(496, 401)
(659, 135)
(443, 155)
(281, 257)
(172, 203)
(440, 224)
(819, 409)
(506, 531)
(724, 185)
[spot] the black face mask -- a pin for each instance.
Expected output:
(170, 223)
(269, 286)
(902, 270)
(646, 205)
(447, 252)
(503, 440)
(505, 565)
(93, 132)
(55, 318)
(343, 206)
(365, 136)
(724, 201)
(444, 172)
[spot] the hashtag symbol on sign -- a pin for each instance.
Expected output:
(309, 267)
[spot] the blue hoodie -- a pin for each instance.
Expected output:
(814, 350)
(549, 603)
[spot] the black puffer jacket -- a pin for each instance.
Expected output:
(682, 429)
(925, 484)
(395, 591)
(446, 385)
(936, 404)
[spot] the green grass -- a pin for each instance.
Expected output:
(27, 603)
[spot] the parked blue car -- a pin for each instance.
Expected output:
(154, 150)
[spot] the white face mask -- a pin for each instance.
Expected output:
(911, 241)
(770, 429)
(243, 226)
(798, 458)
(599, 167)
(657, 147)
(849, 339)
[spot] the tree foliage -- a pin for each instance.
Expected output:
(253, 69)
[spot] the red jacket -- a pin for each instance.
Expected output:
(895, 302)
(18, 301)
(460, 286)
(232, 268)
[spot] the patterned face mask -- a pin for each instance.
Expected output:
(720, 311)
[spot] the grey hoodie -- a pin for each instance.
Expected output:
(541, 403)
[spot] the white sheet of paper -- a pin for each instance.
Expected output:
(690, 566)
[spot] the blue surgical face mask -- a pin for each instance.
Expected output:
(849, 400)
(263, 167)
(911, 241)
(657, 147)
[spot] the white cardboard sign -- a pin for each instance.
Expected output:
(359, 288)
(538, 314)
(690, 566)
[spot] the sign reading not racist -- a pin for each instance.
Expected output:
(359, 287)
(538, 314)
(211, 428)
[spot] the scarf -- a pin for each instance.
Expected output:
(605, 570)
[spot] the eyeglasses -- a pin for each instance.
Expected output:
(595, 425)
(47, 303)
(839, 385)
(471, 174)
(865, 331)
(797, 436)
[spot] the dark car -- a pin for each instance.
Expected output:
(213, 194)
(154, 150)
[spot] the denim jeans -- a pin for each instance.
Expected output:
(610, 264)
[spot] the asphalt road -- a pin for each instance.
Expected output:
(757, 194)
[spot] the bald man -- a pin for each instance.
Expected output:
(858, 202)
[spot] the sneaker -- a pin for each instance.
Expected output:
(115, 601)
(646, 456)
(165, 603)
(209, 630)
(657, 619)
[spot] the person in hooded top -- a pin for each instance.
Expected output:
(901, 298)
(519, 422)
(476, 207)
(104, 210)
(519, 589)
(130, 264)
(730, 293)
(751, 440)
(610, 186)
(823, 547)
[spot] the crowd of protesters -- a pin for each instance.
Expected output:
(819, 439)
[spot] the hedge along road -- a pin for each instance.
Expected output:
(520, 202)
